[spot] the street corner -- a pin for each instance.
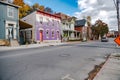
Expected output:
(110, 68)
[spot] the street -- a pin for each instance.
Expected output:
(63, 62)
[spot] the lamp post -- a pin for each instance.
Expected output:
(116, 3)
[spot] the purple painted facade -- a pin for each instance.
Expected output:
(51, 30)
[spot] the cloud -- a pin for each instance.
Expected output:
(28, 2)
(98, 9)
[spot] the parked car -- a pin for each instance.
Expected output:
(104, 39)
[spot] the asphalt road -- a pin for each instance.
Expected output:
(64, 62)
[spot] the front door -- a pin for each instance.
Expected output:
(57, 35)
(10, 31)
(41, 35)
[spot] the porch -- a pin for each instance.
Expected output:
(71, 35)
(25, 33)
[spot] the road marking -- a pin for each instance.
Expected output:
(67, 77)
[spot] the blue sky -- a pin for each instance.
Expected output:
(65, 6)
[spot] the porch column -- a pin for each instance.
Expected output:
(76, 35)
(68, 35)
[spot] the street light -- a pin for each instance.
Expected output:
(116, 3)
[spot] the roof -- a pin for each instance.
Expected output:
(24, 25)
(53, 15)
(80, 22)
(62, 15)
(7, 3)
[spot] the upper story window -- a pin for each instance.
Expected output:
(47, 33)
(53, 22)
(47, 21)
(58, 24)
(10, 11)
(69, 25)
(41, 20)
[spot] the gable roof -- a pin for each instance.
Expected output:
(10, 4)
(62, 15)
(80, 22)
(43, 12)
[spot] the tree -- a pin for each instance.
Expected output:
(24, 8)
(19, 2)
(37, 6)
(42, 8)
(104, 29)
(49, 10)
(99, 29)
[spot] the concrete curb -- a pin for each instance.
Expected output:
(28, 46)
(106, 61)
(110, 70)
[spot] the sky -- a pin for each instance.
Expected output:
(97, 9)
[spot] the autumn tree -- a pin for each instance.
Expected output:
(99, 29)
(24, 8)
(37, 6)
(42, 8)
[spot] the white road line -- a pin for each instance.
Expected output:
(67, 77)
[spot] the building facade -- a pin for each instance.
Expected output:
(68, 27)
(80, 25)
(46, 26)
(9, 22)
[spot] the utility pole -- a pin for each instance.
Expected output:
(117, 9)
(118, 16)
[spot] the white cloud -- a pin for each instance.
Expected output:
(98, 9)
(28, 2)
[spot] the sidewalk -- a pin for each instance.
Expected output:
(4, 48)
(111, 69)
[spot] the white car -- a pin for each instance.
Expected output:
(104, 39)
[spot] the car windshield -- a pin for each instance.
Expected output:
(104, 38)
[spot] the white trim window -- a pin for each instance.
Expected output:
(58, 24)
(47, 33)
(41, 19)
(53, 22)
(47, 20)
(10, 11)
(53, 34)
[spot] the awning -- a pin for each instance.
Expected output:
(24, 25)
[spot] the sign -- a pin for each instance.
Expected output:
(117, 40)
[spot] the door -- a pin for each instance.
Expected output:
(57, 35)
(41, 35)
(10, 31)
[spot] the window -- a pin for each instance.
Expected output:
(47, 33)
(41, 20)
(57, 34)
(52, 34)
(10, 11)
(58, 23)
(69, 26)
(47, 21)
(52, 22)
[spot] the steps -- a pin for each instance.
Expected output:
(14, 43)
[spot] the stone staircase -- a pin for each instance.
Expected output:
(14, 43)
